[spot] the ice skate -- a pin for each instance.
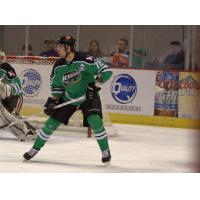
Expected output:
(30, 154)
(106, 157)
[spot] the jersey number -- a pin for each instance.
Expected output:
(99, 64)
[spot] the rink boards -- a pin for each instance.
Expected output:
(150, 97)
(137, 119)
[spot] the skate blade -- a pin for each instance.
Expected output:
(107, 164)
(25, 160)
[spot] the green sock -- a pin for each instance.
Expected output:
(96, 124)
(43, 135)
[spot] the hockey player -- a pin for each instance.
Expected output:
(11, 101)
(73, 76)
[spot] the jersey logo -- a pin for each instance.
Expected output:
(71, 77)
(90, 58)
(11, 74)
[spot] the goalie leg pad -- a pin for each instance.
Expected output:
(13, 103)
(19, 128)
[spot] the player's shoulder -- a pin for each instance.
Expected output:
(59, 62)
(6, 67)
(84, 57)
(10, 71)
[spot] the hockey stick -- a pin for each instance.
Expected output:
(32, 116)
(70, 102)
(29, 118)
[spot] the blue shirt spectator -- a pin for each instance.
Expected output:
(176, 55)
(50, 49)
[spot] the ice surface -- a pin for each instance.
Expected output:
(135, 149)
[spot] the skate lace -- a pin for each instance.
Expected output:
(32, 152)
(105, 153)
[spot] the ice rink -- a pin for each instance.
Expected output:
(135, 149)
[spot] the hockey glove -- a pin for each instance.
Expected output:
(5, 90)
(49, 105)
(92, 91)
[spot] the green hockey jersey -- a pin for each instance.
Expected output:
(9, 76)
(70, 80)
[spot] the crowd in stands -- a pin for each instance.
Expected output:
(174, 58)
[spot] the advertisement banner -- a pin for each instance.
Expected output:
(35, 80)
(166, 96)
(130, 92)
(189, 95)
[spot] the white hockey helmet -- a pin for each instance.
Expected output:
(2, 57)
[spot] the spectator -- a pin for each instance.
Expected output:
(29, 50)
(94, 49)
(175, 55)
(139, 55)
(50, 49)
(120, 55)
(121, 47)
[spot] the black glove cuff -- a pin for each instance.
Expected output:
(51, 101)
(49, 105)
(93, 87)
